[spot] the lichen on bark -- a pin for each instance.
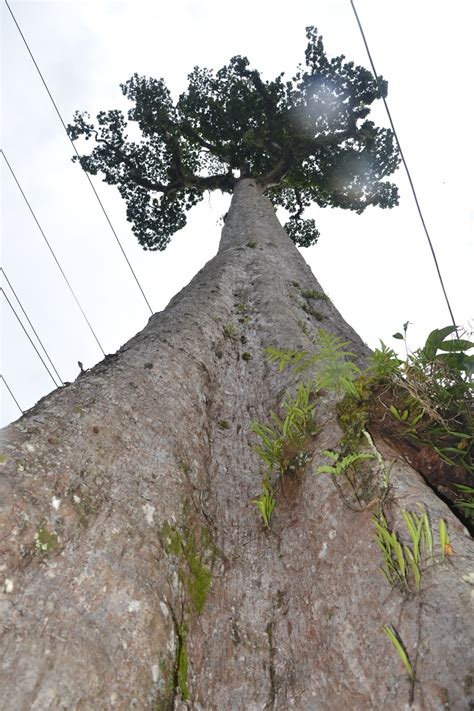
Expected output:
(196, 555)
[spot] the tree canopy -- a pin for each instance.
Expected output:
(304, 140)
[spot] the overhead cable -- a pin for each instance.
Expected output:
(31, 325)
(77, 154)
(406, 168)
(29, 337)
(52, 252)
(9, 390)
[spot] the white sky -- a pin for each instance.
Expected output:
(377, 267)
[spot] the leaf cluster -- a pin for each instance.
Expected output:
(403, 562)
(331, 364)
(282, 443)
(466, 499)
(341, 464)
(287, 435)
(266, 502)
(436, 386)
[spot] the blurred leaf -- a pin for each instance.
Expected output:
(394, 412)
(456, 344)
(399, 646)
(456, 361)
(435, 339)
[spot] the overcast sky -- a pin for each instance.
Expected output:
(377, 267)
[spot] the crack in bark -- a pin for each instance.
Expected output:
(270, 630)
(180, 649)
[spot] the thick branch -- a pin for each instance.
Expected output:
(300, 211)
(194, 135)
(185, 179)
(278, 172)
(261, 89)
(219, 181)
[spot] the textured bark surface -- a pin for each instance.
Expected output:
(127, 494)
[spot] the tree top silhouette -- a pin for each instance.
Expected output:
(303, 140)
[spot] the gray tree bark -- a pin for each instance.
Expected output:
(136, 571)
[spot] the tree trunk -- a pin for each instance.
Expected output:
(137, 572)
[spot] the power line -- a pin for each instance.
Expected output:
(52, 252)
(31, 325)
(406, 168)
(77, 154)
(28, 336)
(14, 398)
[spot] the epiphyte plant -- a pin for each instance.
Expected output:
(404, 563)
(393, 636)
(266, 502)
(282, 443)
(331, 365)
(341, 465)
(286, 437)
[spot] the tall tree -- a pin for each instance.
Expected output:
(136, 570)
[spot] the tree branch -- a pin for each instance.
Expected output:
(192, 133)
(278, 172)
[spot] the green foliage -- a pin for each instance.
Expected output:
(46, 540)
(404, 564)
(393, 636)
(230, 331)
(252, 243)
(428, 394)
(182, 662)
(363, 488)
(341, 465)
(298, 423)
(266, 502)
(437, 341)
(313, 294)
(302, 232)
(466, 500)
(305, 140)
(194, 551)
(444, 539)
(246, 356)
(282, 443)
(308, 309)
(336, 370)
(287, 436)
(185, 467)
(353, 416)
(285, 357)
(396, 565)
(271, 447)
(332, 364)
(384, 362)
(438, 388)
(200, 580)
